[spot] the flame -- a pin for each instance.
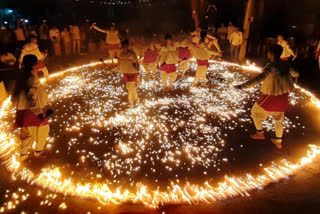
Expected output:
(52, 178)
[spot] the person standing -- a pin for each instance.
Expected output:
(318, 54)
(66, 40)
(75, 32)
(30, 98)
(33, 49)
(112, 40)
(287, 51)
(44, 42)
(20, 34)
(168, 59)
(54, 35)
(184, 52)
(222, 32)
(231, 29)
(202, 54)
(150, 60)
(278, 82)
(129, 67)
(235, 44)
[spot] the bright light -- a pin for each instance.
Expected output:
(26, 21)
(53, 177)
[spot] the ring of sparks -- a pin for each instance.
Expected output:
(164, 138)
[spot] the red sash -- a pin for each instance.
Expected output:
(130, 77)
(184, 53)
(274, 103)
(169, 68)
(203, 62)
(26, 118)
(150, 57)
(113, 46)
(285, 58)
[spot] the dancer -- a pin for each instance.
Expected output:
(33, 49)
(168, 59)
(184, 53)
(150, 61)
(202, 55)
(129, 67)
(287, 51)
(112, 40)
(277, 84)
(30, 97)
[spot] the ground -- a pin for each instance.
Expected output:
(298, 194)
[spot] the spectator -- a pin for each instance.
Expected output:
(20, 34)
(318, 54)
(8, 59)
(75, 32)
(44, 42)
(222, 32)
(54, 35)
(66, 39)
(231, 29)
(235, 44)
(4, 39)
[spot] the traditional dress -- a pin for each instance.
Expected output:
(184, 53)
(202, 55)
(129, 67)
(29, 106)
(112, 40)
(277, 84)
(168, 60)
(33, 49)
(150, 60)
(287, 51)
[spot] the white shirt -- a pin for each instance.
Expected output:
(287, 51)
(236, 38)
(75, 31)
(231, 29)
(54, 32)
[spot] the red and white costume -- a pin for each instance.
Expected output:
(29, 106)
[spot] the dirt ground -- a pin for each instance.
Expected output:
(298, 194)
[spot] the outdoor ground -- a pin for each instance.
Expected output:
(298, 194)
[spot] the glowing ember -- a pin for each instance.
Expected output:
(154, 133)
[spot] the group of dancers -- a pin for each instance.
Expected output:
(172, 58)
(30, 96)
